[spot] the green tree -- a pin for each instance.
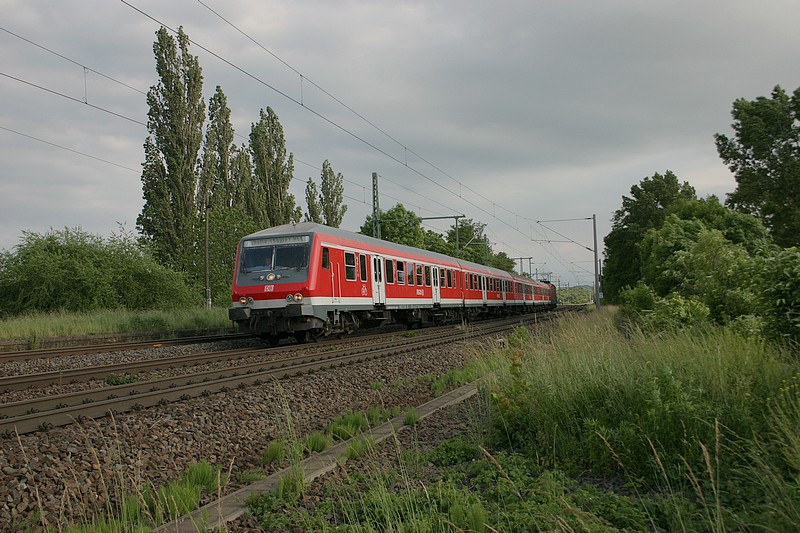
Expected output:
(736, 227)
(472, 242)
(398, 225)
(658, 252)
(217, 186)
(503, 262)
(226, 226)
(169, 174)
(645, 209)
(435, 242)
(332, 197)
(245, 186)
(273, 171)
(314, 213)
(719, 273)
(764, 156)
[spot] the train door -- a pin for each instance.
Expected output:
(503, 286)
(334, 268)
(436, 290)
(483, 288)
(378, 282)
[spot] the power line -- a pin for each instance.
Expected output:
(72, 98)
(332, 122)
(67, 149)
(302, 104)
(73, 61)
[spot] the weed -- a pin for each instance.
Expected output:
(348, 425)
(122, 379)
(249, 476)
(316, 442)
(275, 452)
(411, 418)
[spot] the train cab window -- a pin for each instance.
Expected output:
(401, 272)
(362, 261)
(326, 258)
(427, 276)
(419, 275)
(349, 266)
(389, 271)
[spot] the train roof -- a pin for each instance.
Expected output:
(321, 229)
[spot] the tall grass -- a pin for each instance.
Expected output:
(677, 411)
(36, 326)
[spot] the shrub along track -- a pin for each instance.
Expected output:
(84, 462)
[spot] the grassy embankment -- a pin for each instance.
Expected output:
(37, 326)
(587, 429)
(584, 428)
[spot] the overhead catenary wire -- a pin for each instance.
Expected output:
(403, 161)
(334, 123)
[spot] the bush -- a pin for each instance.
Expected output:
(778, 288)
(76, 271)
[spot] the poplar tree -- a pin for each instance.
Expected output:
(242, 175)
(314, 213)
(273, 171)
(332, 197)
(169, 172)
(217, 176)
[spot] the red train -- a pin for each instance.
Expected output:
(308, 280)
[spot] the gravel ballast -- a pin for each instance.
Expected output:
(56, 474)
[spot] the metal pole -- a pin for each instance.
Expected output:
(596, 272)
(208, 277)
(376, 209)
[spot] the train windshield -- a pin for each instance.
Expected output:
(275, 254)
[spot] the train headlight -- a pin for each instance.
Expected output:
(298, 297)
(243, 300)
(271, 276)
(289, 298)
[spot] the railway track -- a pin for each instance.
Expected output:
(53, 411)
(61, 351)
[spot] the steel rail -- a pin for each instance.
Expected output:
(84, 374)
(201, 384)
(63, 351)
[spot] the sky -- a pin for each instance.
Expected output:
(527, 116)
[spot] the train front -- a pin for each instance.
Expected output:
(271, 286)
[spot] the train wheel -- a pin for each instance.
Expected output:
(272, 340)
(304, 337)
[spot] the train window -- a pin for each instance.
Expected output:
(401, 272)
(419, 275)
(427, 276)
(442, 277)
(410, 273)
(362, 259)
(449, 279)
(349, 266)
(389, 271)
(326, 258)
